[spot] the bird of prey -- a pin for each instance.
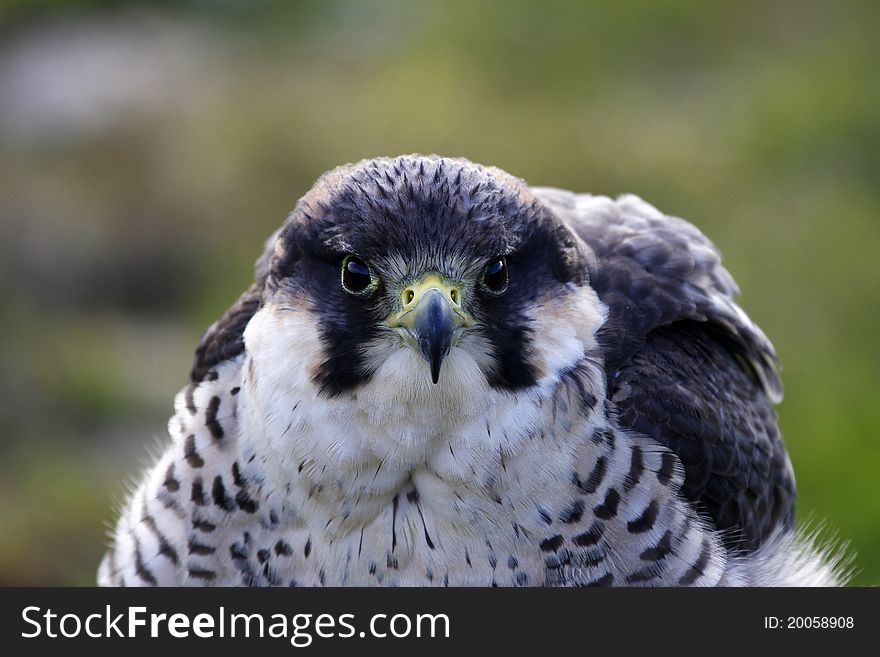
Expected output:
(443, 376)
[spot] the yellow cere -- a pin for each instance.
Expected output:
(412, 294)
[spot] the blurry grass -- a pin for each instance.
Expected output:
(120, 243)
(55, 512)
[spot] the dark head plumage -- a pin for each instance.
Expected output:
(408, 216)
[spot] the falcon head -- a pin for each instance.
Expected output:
(422, 283)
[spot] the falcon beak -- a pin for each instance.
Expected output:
(432, 319)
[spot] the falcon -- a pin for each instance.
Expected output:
(442, 376)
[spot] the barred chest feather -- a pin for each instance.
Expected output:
(242, 498)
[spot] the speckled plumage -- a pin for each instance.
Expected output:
(606, 420)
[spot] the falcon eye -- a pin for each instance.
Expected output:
(356, 277)
(495, 276)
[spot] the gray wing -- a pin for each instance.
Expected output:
(685, 365)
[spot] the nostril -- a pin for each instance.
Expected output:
(408, 296)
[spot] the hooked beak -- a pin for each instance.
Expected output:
(431, 320)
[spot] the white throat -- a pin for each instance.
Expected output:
(354, 452)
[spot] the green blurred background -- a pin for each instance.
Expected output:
(148, 150)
